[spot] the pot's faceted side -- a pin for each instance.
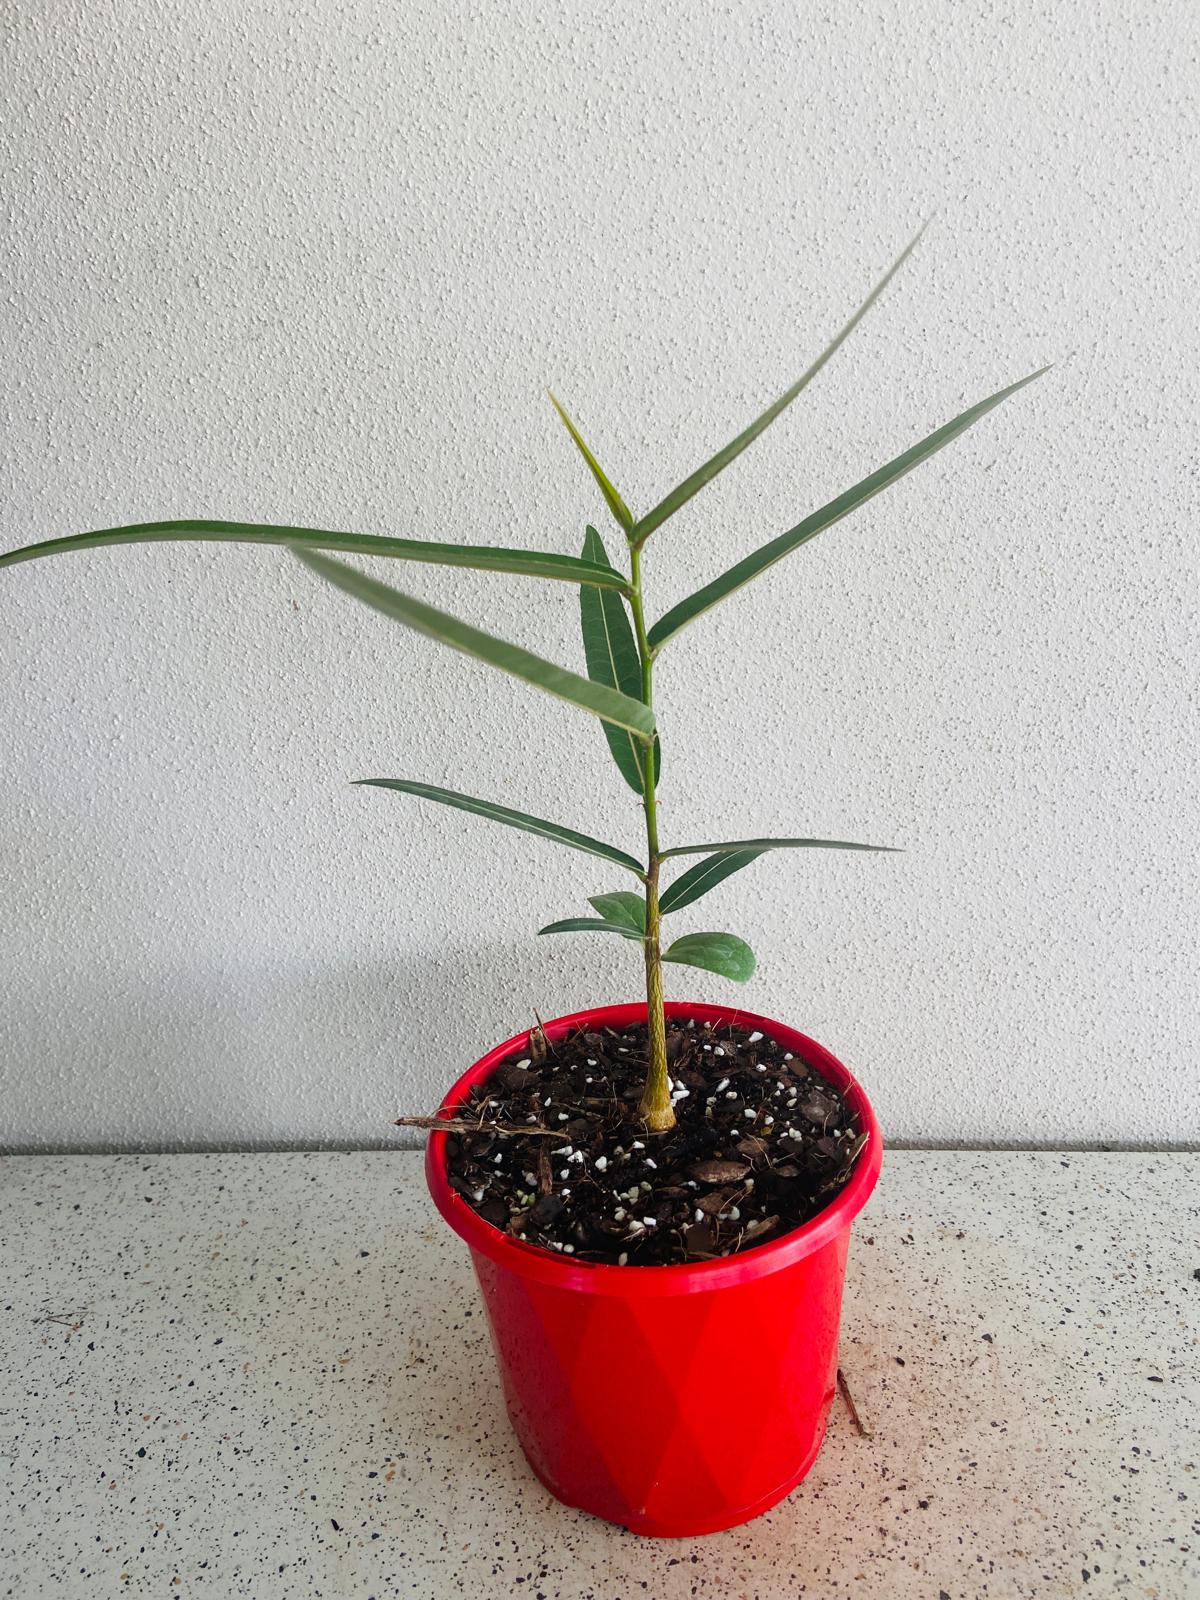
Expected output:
(676, 1415)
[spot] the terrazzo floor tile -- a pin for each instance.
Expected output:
(268, 1375)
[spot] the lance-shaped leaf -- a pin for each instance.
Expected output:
(615, 504)
(705, 875)
(482, 558)
(740, 846)
(612, 658)
(510, 818)
(623, 907)
(589, 925)
(683, 492)
(703, 599)
(597, 698)
(723, 953)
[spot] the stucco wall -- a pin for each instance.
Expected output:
(315, 263)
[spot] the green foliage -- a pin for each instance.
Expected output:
(624, 907)
(589, 925)
(510, 818)
(720, 588)
(483, 558)
(722, 953)
(683, 492)
(620, 652)
(705, 875)
(612, 659)
(597, 698)
(616, 505)
(759, 845)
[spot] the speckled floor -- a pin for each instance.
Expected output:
(268, 1376)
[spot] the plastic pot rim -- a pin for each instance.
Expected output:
(550, 1267)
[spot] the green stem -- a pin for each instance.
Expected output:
(656, 1108)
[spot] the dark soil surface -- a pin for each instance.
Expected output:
(551, 1148)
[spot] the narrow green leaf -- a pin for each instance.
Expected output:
(759, 845)
(683, 492)
(615, 504)
(612, 659)
(589, 925)
(723, 953)
(624, 906)
(687, 610)
(705, 875)
(578, 691)
(483, 558)
(510, 818)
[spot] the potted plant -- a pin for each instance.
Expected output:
(657, 1197)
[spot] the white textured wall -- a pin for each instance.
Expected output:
(314, 262)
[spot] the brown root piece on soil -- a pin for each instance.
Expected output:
(444, 1125)
(844, 1390)
(539, 1045)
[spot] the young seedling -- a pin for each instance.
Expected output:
(621, 652)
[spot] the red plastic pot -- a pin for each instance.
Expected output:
(673, 1400)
